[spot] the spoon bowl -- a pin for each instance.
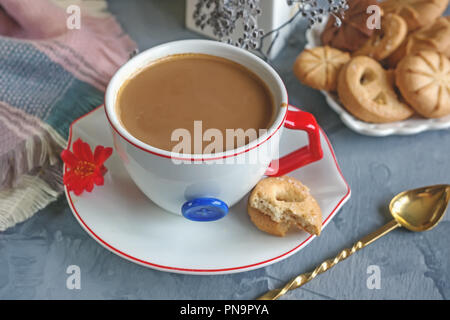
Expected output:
(420, 209)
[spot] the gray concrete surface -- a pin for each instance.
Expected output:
(35, 254)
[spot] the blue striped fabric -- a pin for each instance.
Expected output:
(33, 83)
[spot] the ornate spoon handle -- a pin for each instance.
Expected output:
(324, 266)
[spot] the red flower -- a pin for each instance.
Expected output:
(84, 168)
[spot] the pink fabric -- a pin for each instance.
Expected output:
(92, 53)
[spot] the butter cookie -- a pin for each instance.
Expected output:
(279, 204)
(386, 40)
(366, 91)
(417, 13)
(423, 79)
(353, 32)
(435, 37)
(319, 67)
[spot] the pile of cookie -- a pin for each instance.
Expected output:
(384, 74)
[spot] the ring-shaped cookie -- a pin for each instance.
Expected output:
(386, 40)
(367, 92)
(278, 204)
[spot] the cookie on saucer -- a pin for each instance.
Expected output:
(279, 204)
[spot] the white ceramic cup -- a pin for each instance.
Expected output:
(173, 180)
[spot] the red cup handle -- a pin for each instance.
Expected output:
(299, 120)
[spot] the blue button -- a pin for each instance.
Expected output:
(204, 209)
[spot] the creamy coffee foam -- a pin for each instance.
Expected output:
(176, 91)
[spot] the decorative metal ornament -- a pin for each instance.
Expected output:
(223, 16)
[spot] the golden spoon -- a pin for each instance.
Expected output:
(416, 210)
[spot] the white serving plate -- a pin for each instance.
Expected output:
(124, 221)
(410, 126)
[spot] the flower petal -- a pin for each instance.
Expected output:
(99, 180)
(101, 154)
(69, 158)
(87, 152)
(82, 150)
(68, 177)
(89, 185)
(103, 170)
(77, 147)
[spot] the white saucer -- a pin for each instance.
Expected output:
(413, 125)
(124, 221)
